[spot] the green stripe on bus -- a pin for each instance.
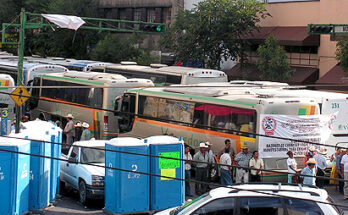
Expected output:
(71, 79)
(192, 96)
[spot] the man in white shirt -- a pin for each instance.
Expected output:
(188, 158)
(344, 167)
(201, 169)
(225, 171)
(257, 163)
(69, 130)
(292, 166)
(321, 165)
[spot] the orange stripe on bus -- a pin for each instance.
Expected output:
(69, 103)
(312, 110)
(198, 130)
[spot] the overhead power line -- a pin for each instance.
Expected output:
(179, 179)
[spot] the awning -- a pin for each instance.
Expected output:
(302, 75)
(289, 36)
(334, 79)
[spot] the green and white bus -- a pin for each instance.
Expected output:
(213, 114)
(89, 103)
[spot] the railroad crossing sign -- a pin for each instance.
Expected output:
(20, 95)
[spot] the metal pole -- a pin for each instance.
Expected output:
(20, 63)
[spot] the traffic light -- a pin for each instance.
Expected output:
(320, 29)
(151, 28)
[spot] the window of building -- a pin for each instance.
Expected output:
(302, 49)
(151, 15)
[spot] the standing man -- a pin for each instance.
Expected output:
(292, 166)
(257, 163)
(340, 171)
(308, 173)
(243, 159)
(201, 169)
(86, 133)
(226, 171)
(321, 165)
(344, 169)
(211, 167)
(227, 145)
(69, 130)
(188, 158)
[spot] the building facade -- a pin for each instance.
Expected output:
(288, 23)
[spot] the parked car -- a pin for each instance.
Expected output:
(75, 171)
(272, 199)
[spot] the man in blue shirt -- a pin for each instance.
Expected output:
(308, 173)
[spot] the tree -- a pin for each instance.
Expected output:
(342, 54)
(212, 30)
(116, 48)
(273, 61)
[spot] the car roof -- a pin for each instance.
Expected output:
(91, 143)
(269, 190)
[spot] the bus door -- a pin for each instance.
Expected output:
(125, 110)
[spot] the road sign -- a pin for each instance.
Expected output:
(20, 95)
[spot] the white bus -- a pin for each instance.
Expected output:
(89, 104)
(200, 114)
(329, 103)
(30, 70)
(163, 75)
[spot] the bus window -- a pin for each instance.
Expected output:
(173, 79)
(166, 109)
(95, 97)
(225, 119)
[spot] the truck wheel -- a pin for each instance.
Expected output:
(82, 192)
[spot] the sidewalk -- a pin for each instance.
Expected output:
(337, 198)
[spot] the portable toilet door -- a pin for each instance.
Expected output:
(166, 188)
(127, 191)
(14, 176)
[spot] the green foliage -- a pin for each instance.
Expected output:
(214, 29)
(273, 61)
(63, 42)
(116, 48)
(342, 54)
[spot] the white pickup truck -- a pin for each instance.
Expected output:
(75, 171)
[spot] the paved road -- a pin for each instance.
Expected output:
(68, 204)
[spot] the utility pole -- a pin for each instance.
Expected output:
(20, 63)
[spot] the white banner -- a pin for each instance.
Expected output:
(312, 128)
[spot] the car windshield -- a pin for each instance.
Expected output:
(89, 155)
(189, 205)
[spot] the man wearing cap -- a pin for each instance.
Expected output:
(86, 134)
(69, 130)
(340, 172)
(344, 169)
(321, 165)
(201, 169)
(243, 159)
(78, 131)
(211, 165)
(308, 173)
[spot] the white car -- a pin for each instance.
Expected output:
(269, 199)
(75, 171)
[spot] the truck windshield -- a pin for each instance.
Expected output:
(92, 155)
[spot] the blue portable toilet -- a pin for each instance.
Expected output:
(39, 186)
(14, 176)
(49, 132)
(166, 192)
(127, 192)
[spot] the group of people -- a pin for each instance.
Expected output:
(76, 132)
(340, 170)
(314, 165)
(204, 160)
